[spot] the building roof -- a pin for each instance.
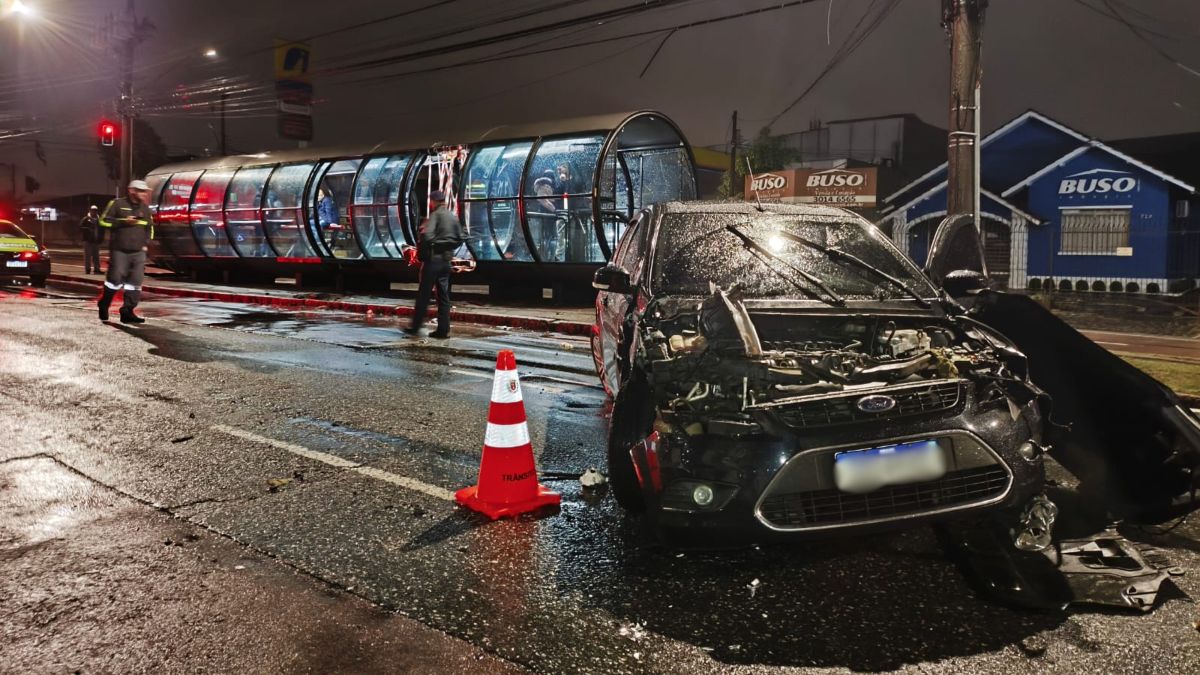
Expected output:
(1097, 145)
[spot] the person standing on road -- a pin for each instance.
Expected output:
(132, 227)
(92, 235)
(441, 234)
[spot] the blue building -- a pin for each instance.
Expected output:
(1064, 209)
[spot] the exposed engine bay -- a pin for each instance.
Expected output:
(714, 370)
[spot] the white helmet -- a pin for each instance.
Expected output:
(139, 185)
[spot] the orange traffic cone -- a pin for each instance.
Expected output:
(508, 483)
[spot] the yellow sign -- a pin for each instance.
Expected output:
(291, 61)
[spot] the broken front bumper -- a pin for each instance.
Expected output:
(719, 490)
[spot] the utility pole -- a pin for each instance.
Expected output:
(733, 148)
(125, 35)
(963, 21)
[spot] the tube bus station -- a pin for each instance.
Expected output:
(543, 205)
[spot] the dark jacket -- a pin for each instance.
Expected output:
(327, 213)
(128, 237)
(441, 234)
(89, 229)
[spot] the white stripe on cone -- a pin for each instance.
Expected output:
(502, 436)
(506, 388)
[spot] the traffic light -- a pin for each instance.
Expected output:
(108, 133)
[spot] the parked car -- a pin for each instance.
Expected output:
(21, 257)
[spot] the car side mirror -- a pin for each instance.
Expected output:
(961, 283)
(613, 279)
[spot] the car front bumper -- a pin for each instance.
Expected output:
(780, 487)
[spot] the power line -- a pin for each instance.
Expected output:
(849, 46)
(605, 15)
(576, 45)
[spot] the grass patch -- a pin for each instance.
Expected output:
(1182, 376)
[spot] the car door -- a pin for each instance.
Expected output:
(612, 308)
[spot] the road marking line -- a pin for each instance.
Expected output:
(334, 460)
(484, 376)
(1115, 344)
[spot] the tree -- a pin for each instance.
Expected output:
(766, 153)
(149, 151)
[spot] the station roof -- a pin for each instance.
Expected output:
(639, 128)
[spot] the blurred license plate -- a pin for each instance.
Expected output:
(18, 263)
(860, 471)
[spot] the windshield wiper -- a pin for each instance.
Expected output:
(750, 243)
(835, 253)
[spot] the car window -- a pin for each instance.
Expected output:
(696, 248)
(11, 231)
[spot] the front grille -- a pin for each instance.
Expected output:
(834, 507)
(837, 410)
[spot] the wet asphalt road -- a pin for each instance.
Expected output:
(328, 444)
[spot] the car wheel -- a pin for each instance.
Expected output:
(630, 423)
(37, 282)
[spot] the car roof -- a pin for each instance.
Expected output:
(814, 211)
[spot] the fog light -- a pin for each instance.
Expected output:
(702, 495)
(1030, 450)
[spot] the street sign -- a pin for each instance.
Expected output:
(293, 90)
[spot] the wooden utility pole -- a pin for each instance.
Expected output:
(963, 20)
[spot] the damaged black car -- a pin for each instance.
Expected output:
(785, 371)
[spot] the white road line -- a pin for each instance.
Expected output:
(484, 376)
(334, 460)
(1115, 344)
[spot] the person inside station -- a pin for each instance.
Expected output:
(327, 217)
(543, 218)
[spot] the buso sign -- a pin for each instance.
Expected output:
(840, 187)
(1097, 181)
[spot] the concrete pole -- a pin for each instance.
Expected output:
(964, 21)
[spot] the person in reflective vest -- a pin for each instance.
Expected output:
(131, 226)
(441, 235)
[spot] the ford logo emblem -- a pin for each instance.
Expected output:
(876, 403)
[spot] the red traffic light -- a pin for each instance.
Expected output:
(108, 133)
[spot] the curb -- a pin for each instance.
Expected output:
(523, 322)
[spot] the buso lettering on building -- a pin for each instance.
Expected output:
(768, 181)
(836, 180)
(1082, 186)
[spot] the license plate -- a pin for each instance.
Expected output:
(18, 263)
(861, 471)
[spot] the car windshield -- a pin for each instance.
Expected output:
(694, 249)
(10, 231)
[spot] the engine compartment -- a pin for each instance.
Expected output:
(716, 368)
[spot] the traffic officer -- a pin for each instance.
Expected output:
(92, 235)
(132, 226)
(441, 235)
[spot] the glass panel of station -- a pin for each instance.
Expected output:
(492, 185)
(558, 200)
(330, 197)
(646, 164)
(207, 215)
(283, 211)
(171, 221)
(376, 216)
(243, 212)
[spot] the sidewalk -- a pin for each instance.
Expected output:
(68, 269)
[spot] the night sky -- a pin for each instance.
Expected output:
(1057, 56)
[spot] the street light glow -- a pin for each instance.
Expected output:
(21, 9)
(210, 53)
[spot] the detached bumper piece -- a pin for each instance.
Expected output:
(1104, 569)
